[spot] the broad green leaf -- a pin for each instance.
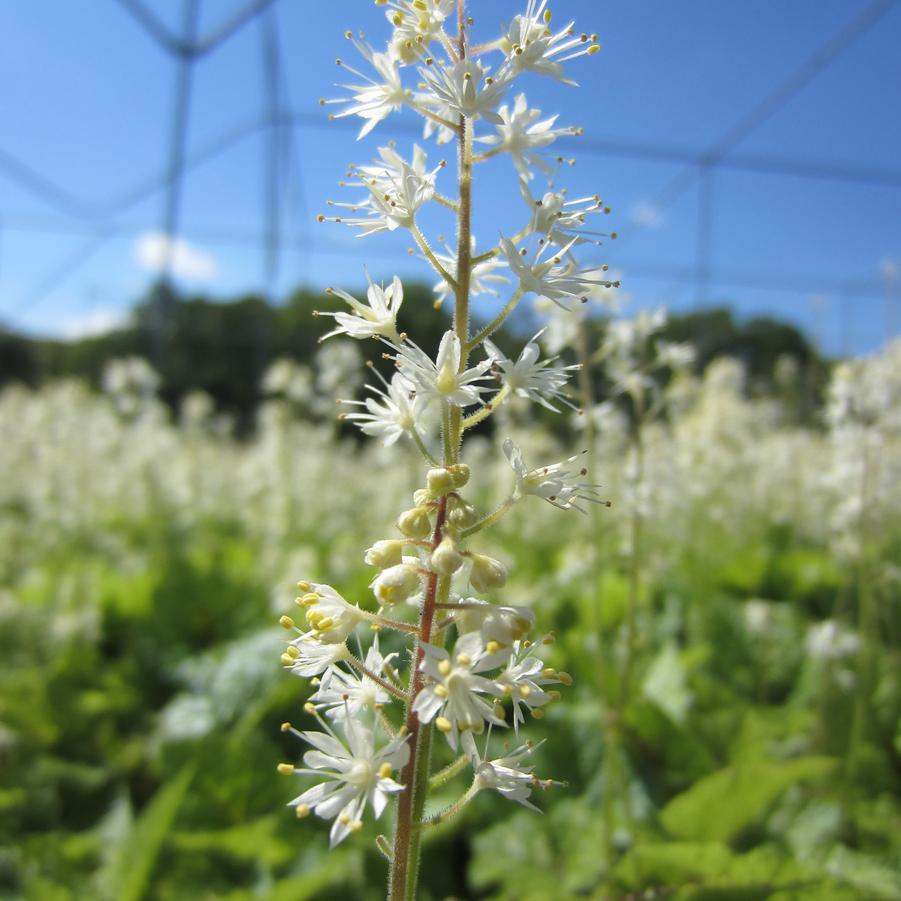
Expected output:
(130, 874)
(666, 684)
(721, 805)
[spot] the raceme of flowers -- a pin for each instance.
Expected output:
(472, 668)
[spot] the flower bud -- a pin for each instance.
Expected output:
(446, 559)
(415, 523)
(421, 496)
(463, 515)
(487, 573)
(385, 553)
(396, 584)
(439, 481)
(459, 474)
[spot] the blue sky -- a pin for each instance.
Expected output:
(86, 104)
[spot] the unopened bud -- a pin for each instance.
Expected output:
(415, 523)
(446, 559)
(385, 553)
(459, 473)
(439, 482)
(487, 573)
(396, 584)
(463, 515)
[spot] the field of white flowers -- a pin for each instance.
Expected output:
(731, 625)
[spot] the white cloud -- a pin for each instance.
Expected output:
(154, 251)
(90, 324)
(647, 214)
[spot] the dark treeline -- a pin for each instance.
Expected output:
(223, 348)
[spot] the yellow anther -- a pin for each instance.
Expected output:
(308, 600)
(348, 34)
(554, 695)
(398, 18)
(344, 819)
(292, 652)
(492, 647)
(355, 826)
(549, 672)
(302, 810)
(538, 713)
(304, 586)
(441, 691)
(320, 218)
(286, 769)
(287, 660)
(464, 659)
(499, 711)
(593, 49)
(443, 724)
(565, 678)
(286, 622)
(385, 770)
(325, 622)
(286, 727)
(524, 691)
(548, 15)
(507, 689)
(403, 731)
(310, 708)
(444, 667)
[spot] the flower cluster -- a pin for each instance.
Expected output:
(473, 668)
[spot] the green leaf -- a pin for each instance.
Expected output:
(128, 876)
(719, 806)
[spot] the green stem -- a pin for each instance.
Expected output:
(404, 870)
(495, 323)
(489, 520)
(429, 254)
(450, 812)
(448, 773)
(487, 410)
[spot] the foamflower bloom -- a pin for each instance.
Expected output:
(453, 697)
(357, 774)
(390, 414)
(442, 378)
(506, 775)
(556, 483)
(466, 89)
(376, 318)
(534, 378)
(377, 97)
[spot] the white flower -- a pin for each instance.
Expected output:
(379, 317)
(505, 775)
(453, 694)
(556, 482)
(482, 276)
(379, 96)
(532, 378)
(829, 640)
(397, 583)
(676, 355)
(522, 679)
(554, 279)
(357, 774)
(465, 88)
(501, 625)
(344, 694)
(560, 220)
(391, 414)
(330, 617)
(397, 189)
(531, 46)
(441, 379)
(416, 24)
(308, 657)
(520, 135)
